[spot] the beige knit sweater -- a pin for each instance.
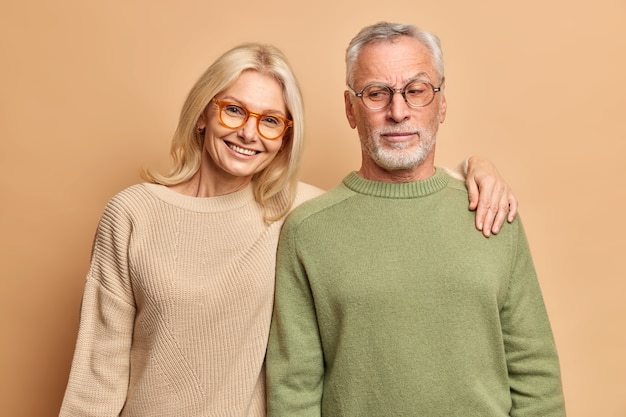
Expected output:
(176, 308)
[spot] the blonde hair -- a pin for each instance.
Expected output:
(275, 186)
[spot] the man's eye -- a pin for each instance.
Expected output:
(378, 94)
(416, 89)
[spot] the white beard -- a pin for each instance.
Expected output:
(394, 156)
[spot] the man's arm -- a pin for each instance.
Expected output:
(294, 361)
(532, 360)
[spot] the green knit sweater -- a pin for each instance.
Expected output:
(390, 303)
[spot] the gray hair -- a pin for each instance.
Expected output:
(387, 31)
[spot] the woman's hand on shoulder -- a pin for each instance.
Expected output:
(489, 195)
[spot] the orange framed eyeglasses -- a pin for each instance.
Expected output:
(233, 116)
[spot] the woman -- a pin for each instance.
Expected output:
(178, 296)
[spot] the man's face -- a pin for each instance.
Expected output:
(397, 140)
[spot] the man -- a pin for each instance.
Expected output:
(380, 312)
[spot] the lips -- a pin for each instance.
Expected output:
(399, 135)
(399, 139)
(243, 151)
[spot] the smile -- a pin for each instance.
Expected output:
(243, 151)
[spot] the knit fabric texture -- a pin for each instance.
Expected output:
(389, 302)
(176, 307)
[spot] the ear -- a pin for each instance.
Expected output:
(201, 122)
(443, 108)
(347, 98)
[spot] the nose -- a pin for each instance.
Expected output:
(248, 132)
(398, 109)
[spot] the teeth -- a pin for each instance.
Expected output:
(241, 150)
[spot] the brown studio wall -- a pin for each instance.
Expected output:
(91, 92)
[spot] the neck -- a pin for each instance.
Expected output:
(203, 185)
(371, 171)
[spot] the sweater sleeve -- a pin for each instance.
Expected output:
(99, 375)
(294, 363)
(532, 362)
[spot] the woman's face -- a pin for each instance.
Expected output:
(235, 155)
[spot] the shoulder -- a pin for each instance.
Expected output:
(116, 222)
(318, 204)
(306, 192)
(129, 194)
(136, 198)
(455, 182)
(454, 195)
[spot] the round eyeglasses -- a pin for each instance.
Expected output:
(415, 94)
(233, 116)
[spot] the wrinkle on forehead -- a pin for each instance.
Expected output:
(394, 63)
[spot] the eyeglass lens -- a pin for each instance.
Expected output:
(418, 94)
(269, 126)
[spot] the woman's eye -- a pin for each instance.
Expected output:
(234, 110)
(271, 120)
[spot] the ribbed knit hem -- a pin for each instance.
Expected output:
(397, 190)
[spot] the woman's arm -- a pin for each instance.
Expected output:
(99, 376)
(489, 195)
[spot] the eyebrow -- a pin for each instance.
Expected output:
(238, 102)
(420, 76)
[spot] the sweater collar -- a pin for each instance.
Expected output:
(217, 204)
(397, 190)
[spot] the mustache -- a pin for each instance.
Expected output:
(398, 129)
